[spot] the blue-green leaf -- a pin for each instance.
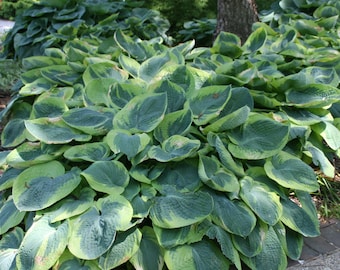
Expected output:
(122, 141)
(9, 245)
(202, 255)
(42, 185)
(149, 255)
(90, 120)
(54, 131)
(266, 204)
(94, 232)
(260, 137)
(10, 216)
(42, 245)
(95, 151)
(213, 174)
(174, 148)
(107, 176)
(175, 210)
(291, 172)
(125, 246)
(142, 114)
(207, 103)
(175, 123)
(243, 219)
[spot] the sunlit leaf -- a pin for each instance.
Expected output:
(177, 210)
(42, 185)
(42, 245)
(107, 176)
(202, 255)
(142, 114)
(260, 137)
(291, 172)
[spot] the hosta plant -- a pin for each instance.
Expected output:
(50, 23)
(142, 156)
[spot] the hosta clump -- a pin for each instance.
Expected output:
(51, 23)
(167, 158)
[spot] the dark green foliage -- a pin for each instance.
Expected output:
(180, 11)
(52, 23)
(10, 8)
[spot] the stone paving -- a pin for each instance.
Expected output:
(322, 252)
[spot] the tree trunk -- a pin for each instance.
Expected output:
(236, 16)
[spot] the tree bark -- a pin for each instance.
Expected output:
(236, 16)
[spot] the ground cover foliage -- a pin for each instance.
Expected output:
(129, 153)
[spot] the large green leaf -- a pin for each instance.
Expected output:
(125, 246)
(36, 87)
(260, 137)
(213, 174)
(300, 219)
(95, 151)
(14, 133)
(142, 114)
(320, 159)
(40, 61)
(224, 240)
(251, 245)
(227, 44)
(291, 172)
(130, 46)
(150, 254)
(255, 41)
(60, 74)
(107, 176)
(130, 65)
(90, 120)
(146, 172)
(122, 141)
(174, 148)
(175, 210)
(313, 96)
(302, 116)
(207, 103)
(9, 245)
(175, 123)
(28, 154)
(183, 176)
(175, 94)
(94, 232)
(232, 215)
(272, 255)
(264, 203)
(42, 185)
(42, 245)
(150, 69)
(329, 133)
(202, 255)
(10, 216)
(225, 156)
(71, 206)
(229, 121)
(8, 176)
(121, 93)
(169, 238)
(54, 131)
(48, 107)
(97, 91)
(104, 70)
(291, 241)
